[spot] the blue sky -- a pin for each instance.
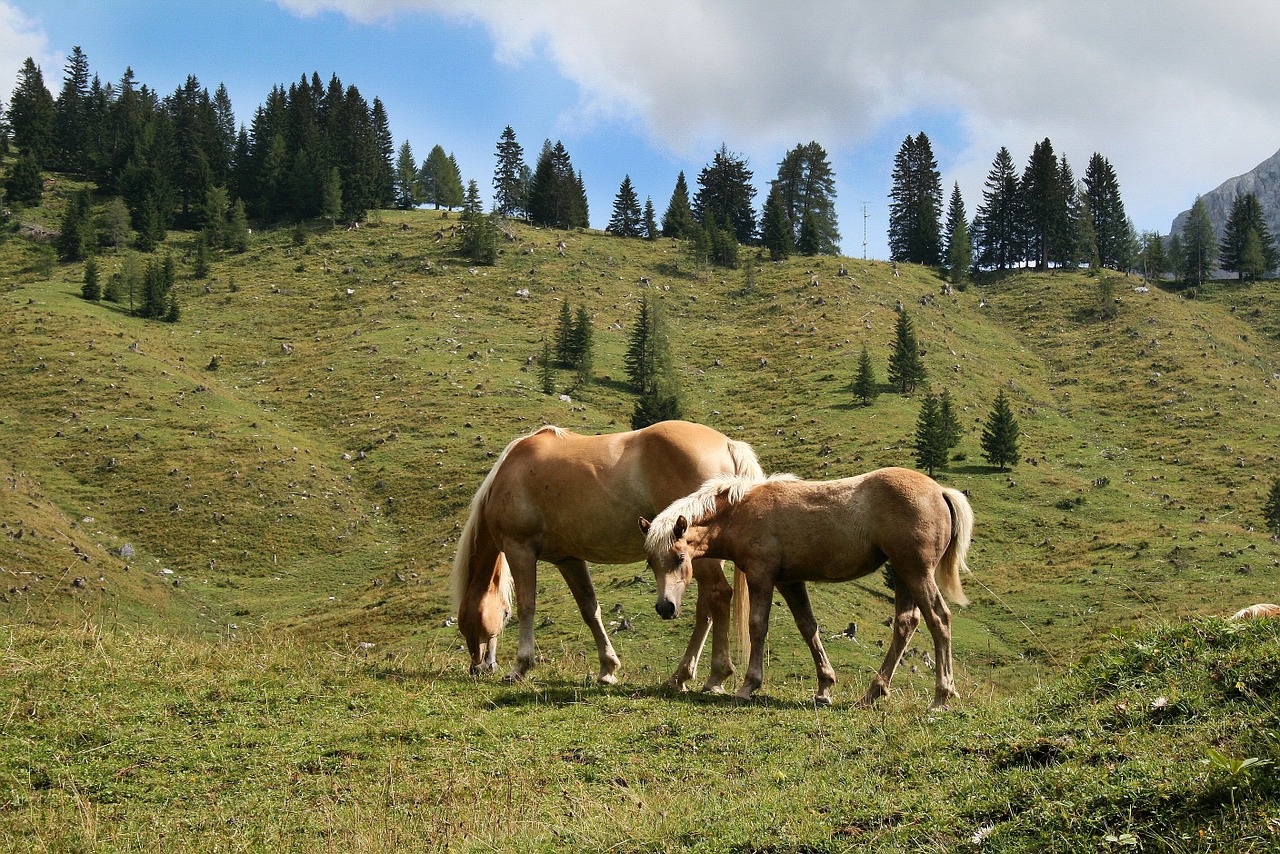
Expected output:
(1179, 95)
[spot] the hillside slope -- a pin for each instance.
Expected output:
(299, 450)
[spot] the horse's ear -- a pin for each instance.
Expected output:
(644, 525)
(682, 525)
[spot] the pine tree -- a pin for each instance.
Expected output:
(1155, 260)
(71, 130)
(1199, 244)
(30, 115)
(906, 368)
(441, 182)
(626, 220)
(25, 184)
(931, 449)
(678, 221)
(1000, 435)
(638, 361)
(915, 234)
(951, 430)
(546, 370)
(564, 336)
(959, 248)
(583, 345)
(865, 387)
(806, 184)
(216, 208)
(1271, 509)
(775, 227)
(406, 178)
(1247, 216)
(331, 196)
(649, 368)
(557, 197)
(1109, 221)
(480, 235)
(725, 195)
(1045, 206)
(995, 227)
(509, 189)
(92, 289)
(75, 238)
(650, 222)
(237, 228)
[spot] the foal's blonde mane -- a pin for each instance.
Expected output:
(701, 504)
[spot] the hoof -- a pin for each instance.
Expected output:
(822, 700)
(607, 679)
(713, 689)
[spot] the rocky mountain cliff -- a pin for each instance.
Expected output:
(1263, 181)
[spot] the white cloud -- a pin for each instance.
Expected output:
(21, 37)
(1177, 94)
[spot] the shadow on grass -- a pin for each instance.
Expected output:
(571, 694)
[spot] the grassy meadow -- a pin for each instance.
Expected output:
(224, 548)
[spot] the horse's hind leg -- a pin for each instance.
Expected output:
(584, 593)
(797, 598)
(906, 619)
(937, 616)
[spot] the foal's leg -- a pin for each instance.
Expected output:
(937, 616)
(797, 598)
(906, 619)
(715, 596)
(761, 593)
(524, 576)
(584, 593)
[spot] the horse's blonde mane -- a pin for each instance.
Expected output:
(701, 504)
(467, 540)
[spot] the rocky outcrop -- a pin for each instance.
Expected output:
(1263, 181)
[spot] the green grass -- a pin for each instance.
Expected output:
(302, 502)
(122, 739)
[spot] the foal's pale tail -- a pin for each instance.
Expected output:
(952, 564)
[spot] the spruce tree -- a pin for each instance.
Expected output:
(1045, 206)
(237, 228)
(959, 248)
(906, 368)
(725, 195)
(407, 182)
(949, 421)
(678, 221)
(626, 220)
(1110, 224)
(509, 189)
(441, 182)
(639, 360)
(1271, 509)
(930, 445)
(1000, 435)
(582, 345)
(546, 370)
(865, 387)
(30, 115)
(564, 336)
(92, 288)
(25, 184)
(1199, 245)
(775, 227)
(1247, 216)
(75, 238)
(480, 235)
(995, 226)
(71, 129)
(915, 233)
(806, 185)
(1155, 260)
(650, 229)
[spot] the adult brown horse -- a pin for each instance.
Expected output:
(784, 531)
(568, 499)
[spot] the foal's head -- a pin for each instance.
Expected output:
(672, 565)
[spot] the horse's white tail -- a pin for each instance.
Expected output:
(471, 531)
(745, 464)
(952, 564)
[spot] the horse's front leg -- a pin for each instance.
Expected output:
(760, 590)
(584, 593)
(711, 616)
(797, 598)
(524, 577)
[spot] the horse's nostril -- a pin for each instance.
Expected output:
(666, 609)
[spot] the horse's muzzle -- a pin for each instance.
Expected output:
(666, 609)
